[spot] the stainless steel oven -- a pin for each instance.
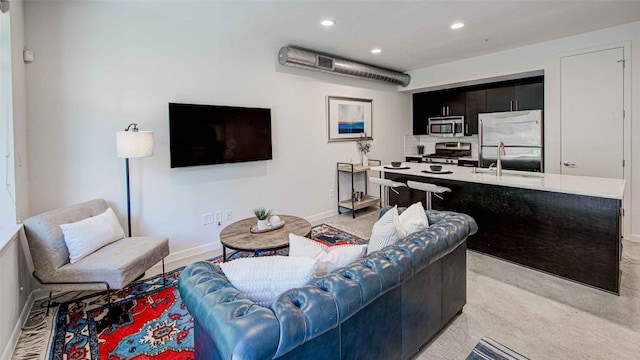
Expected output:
(446, 126)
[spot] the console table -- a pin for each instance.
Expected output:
(237, 236)
(367, 200)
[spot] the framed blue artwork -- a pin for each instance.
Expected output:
(349, 118)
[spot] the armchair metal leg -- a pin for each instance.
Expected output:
(48, 304)
(106, 284)
(164, 275)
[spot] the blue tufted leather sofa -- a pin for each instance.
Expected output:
(384, 306)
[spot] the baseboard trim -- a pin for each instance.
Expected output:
(634, 238)
(187, 253)
(17, 329)
(318, 218)
(174, 257)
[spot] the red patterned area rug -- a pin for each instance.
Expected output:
(146, 319)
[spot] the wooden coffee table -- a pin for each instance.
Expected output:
(237, 236)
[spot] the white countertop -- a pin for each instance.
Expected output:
(570, 184)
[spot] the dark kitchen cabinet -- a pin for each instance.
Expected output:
(436, 103)
(500, 98)
(540, 229)
(447, 103)
(529, 96)
(475, 104)
(469, 101)
(420, 113)
(525, 94)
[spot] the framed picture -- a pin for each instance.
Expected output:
(349, 118)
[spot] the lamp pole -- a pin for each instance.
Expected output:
(126, 161)
(132, 143)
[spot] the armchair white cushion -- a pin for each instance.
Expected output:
(86, 236)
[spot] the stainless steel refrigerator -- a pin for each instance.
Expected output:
(522, 135)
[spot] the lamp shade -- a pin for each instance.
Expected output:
(133, 144)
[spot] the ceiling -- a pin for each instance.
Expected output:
(416, 34)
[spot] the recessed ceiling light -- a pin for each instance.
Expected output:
(376, 51)
(327, 22)
(457, 25)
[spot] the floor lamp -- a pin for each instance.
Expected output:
(132, 143)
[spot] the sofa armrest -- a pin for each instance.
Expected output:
(239, 328)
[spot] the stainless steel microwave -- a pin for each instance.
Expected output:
(446, 126)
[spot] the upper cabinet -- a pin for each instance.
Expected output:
(446, 103)
(436, 103)
(525, 94)
(513, 95)
(420, 100)
(529, 96)
(476, 103)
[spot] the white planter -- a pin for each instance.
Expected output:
(263, 224)
(365, 160)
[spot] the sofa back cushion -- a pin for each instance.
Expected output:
(414, 219)
(262, 279)
(386, 231)
(328, 258)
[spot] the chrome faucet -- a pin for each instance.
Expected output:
(501, 151)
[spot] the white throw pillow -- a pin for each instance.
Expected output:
(88, 235)
(414, 219)
(328, 258)
(386, 231)
(262, 279)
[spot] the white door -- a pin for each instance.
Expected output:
(592, 103)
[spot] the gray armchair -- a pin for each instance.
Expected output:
(113, 266)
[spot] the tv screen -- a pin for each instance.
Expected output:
(207, 134)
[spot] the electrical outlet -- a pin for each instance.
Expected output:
(218, 217)
(331, 194)
(228, 215)
(207, 218)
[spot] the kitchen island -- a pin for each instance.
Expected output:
(565, 225)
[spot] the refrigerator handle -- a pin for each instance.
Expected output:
(511, 105)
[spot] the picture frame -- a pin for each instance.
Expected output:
(348, 119)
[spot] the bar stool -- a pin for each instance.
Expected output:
(428, 189)
(387, 184)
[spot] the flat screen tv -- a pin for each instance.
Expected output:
(207, 134)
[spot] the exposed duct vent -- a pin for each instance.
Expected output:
(294, 56)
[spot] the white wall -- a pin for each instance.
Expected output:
(101, 66)
(546, 56)
(15, 275)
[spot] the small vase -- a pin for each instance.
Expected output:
(365, 160)
(263, 224)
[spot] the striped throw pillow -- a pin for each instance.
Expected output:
(386, 231)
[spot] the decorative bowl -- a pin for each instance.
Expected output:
(435, 167)
(396, 163)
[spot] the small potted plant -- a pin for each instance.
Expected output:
(364, 146)
(262, 214)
